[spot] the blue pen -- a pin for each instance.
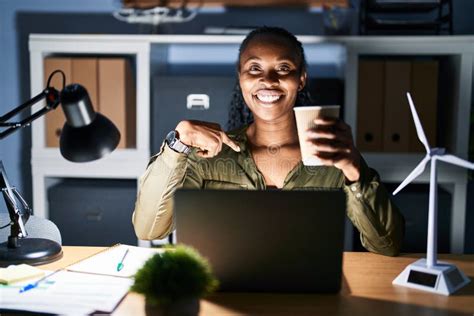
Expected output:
(120, 264)
(31, 286)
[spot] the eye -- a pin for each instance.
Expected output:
(284, 69)
(254, 69)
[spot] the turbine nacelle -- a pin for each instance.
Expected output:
(437, 151)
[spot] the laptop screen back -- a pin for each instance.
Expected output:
(266, 241)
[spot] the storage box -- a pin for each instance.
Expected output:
(93, 212)
(384, 120)
(370, 105)
(424, 92)
(117, 97)
(55, 119)
(111, 88)
(174, 100)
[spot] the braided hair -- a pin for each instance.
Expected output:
(239, 113)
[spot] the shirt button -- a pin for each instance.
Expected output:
(353, 188)
(358, 195)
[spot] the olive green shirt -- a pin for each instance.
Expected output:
(369, 207)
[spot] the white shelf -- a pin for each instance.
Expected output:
(47, 162)
(458, 43)
(122, 163)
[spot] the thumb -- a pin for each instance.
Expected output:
(229, 142)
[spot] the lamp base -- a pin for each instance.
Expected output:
(32, 251)
(442, 278)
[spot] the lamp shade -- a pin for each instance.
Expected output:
(86, 135)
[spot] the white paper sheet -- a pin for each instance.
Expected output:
(68, 293)
(106, 262)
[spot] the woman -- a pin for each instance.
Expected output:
(265, 152)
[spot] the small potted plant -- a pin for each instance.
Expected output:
(174, 281)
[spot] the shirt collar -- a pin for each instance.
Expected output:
(240, 137)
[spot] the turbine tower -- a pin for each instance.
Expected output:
(430, 274)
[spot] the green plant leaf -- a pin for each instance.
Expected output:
(174, 274)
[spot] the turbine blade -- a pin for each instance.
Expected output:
(415, 173)
(419, 128)
(456, 161)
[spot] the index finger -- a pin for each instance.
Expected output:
(229, 142)
(326, 120)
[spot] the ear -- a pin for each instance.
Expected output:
(302, 80)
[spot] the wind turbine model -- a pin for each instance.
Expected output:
(429, 274)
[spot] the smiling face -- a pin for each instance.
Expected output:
(270, 75)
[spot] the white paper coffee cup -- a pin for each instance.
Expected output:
(305, 116)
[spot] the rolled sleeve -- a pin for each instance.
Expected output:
(369, 207)
(152, 217)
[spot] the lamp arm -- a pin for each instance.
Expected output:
(17, 222)
(52, 102)
(18, 216)
(20, 212)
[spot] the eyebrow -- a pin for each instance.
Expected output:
(284, 59)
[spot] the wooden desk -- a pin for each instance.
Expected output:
(367, 290)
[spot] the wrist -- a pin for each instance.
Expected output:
(352, 170)
(174, 143)
(183, 131)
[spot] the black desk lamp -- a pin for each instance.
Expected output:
(86, 136)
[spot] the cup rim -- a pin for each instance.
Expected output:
(315, 107)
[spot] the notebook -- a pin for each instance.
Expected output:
(17, 273)
(106, 261)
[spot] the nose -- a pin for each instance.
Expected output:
(270, 78)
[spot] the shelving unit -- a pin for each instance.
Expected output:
(47, 163)
(395, 167)
(122, 163)
(427, 17)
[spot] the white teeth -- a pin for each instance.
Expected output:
(268, 98)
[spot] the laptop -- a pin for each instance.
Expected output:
(266, 241)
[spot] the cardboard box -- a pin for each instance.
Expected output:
(424, 92)
(370, 105)
(55, 119)
(397, 115)
(117, 97)
(111, 88)
(77, 70)
(84, 72)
